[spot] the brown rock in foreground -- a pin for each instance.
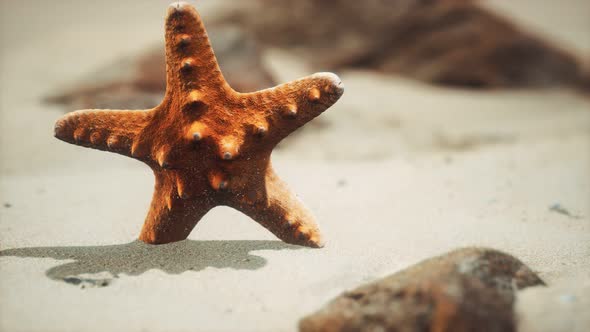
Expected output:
(447, 42)
(465, 290)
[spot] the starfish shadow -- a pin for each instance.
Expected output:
(100, 265)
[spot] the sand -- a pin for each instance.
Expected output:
(396, 172)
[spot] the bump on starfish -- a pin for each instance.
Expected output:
(207, 144)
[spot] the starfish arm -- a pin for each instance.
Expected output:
(109, 130)
(282, 213)
(172, 216)
(281, 110)
(191, 64)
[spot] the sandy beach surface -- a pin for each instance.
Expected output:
(395, 172)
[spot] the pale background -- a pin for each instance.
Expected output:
(402, 172)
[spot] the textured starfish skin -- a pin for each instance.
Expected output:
(207, 144)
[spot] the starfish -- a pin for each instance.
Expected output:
(207, 144)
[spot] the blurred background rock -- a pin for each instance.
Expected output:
(450, 42)
(488, 52)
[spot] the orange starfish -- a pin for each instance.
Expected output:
(207, 144)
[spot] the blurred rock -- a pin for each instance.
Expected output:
(139, 82)
(448, 42)
(465, 290)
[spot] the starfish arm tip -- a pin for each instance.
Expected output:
(327, 83)
(293, 104)
(332, 78)
(59, 128)
(178, 6)
(317, 243)
(67, 127)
